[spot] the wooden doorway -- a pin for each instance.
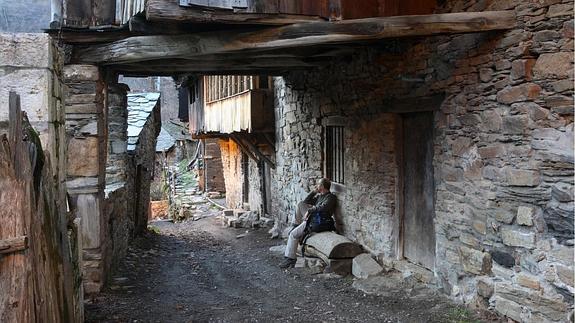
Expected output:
(418, 189)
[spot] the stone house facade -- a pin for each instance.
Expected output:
(463, 142)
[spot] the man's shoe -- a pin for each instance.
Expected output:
(288, 263)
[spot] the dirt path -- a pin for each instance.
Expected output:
(199, 271)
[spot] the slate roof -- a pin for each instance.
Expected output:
(140, 105)
(178, 130)
(165, 141)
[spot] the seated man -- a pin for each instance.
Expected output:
(317, 209)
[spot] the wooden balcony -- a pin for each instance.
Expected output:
(233, 104)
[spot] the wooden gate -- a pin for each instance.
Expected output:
(38, 281)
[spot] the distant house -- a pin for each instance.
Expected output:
(175, 144)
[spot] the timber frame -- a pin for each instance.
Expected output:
(275, 50)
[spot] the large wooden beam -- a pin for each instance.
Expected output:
(232, 66)
(147, 48)
(170, 10)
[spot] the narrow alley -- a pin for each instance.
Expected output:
(198, 271)
(287, 160)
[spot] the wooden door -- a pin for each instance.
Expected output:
(418, 227)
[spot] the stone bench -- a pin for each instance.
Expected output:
(335, 250)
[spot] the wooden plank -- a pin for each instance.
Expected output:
(165, 10)
(419, 212)
(163, 67)
(399, 210)
(104, 12)
(12, 245)
(290, 7)
(353, 9)
(146, 48)
(263, 6)
(256, 150)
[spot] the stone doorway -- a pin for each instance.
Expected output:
(418, 189)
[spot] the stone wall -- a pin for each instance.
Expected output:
(86, 166)
(26, 16)
(255, 198)
(234, 176)
(232, 173)
(165, 85)
(503, 159)
(117, 197)
(140, 170)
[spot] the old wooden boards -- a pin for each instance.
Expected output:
(280, 45)
(37, 282)
(170, 11)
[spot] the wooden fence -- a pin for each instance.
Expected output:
(40, 279)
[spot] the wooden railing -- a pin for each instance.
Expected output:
(219, 87)
(232, 103)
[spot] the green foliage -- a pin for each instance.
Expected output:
(460, 315)
(153, 229)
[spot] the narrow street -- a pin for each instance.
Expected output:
(200, 271)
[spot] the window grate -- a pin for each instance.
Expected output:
(334, 154)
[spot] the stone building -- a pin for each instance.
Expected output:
(449, 134)
(161, 84)
(236, 113)
(457, 156)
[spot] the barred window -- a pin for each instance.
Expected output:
(334, 154)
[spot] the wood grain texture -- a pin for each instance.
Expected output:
(32, 280)
(170, 10)
(11, 245)
(419, 211)
(145, 48)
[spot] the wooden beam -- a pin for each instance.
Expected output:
(146, 48)
(256, 151)
(274, 66)
(91, 36)
(170, 10)
(244, 148)
(12, 245)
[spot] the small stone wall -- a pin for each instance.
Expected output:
(120, 224)
(86, 164)
(141, 156)
(503, 157)
(232, 161)
(232, 173)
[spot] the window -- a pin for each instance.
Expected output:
(334, 159)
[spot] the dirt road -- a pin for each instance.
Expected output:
(199, 271)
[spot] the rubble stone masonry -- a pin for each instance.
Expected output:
(503, 153)
(232, 159)
(86, 165)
